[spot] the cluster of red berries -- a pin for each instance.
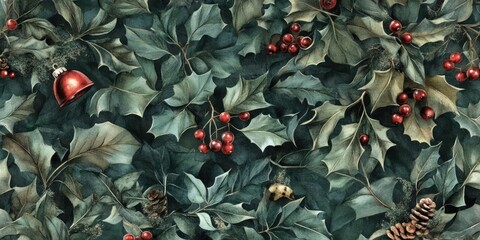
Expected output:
(396, 27)
(419, 95)
(226, 144)
(472, 73)
(290, 42)
(4, 72)
(11, 24)
(146, 235)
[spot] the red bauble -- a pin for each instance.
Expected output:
(305, 42)
(405, 110)
(473, 73)
(11, 24)
(146, 235)
(288, 38)
(419, 95)
(293, 49)
(395, 26)
(128, 236)
(402, 98)
(427, 113)
(364, 139)
(271, 49)
(227, 149)
(69, 85)
(406, 38)
(224, 117)
(199, 134)
(448, 66)
(203, 148)
(295, 28)
(215, 145)
(397, 119)
(455, 57)
(244, 116)
(460, 76)
(228, 137)
(328, 4)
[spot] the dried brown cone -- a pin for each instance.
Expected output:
(157, 204)
(421, 215)
(401, 231)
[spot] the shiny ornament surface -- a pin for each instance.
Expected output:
(69, 85)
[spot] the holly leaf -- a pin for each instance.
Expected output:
(412, 60)
(24, 199)
(174, 122)
(194, 89)
(123, 8)
(426, 162)
(446, 179)
(265, 131)
(30, 152)
(304, 87)
(40, 28)
(16, 109)
(101, 24)
(166, 25)
(146, 44)
(205, 21)
(39, 48)
(384, 88)
(371, 8)
(5, 178)
(114, 55)
(252, 40)
(71, 13)
(467, 158)
(171, 70)
(340, 44)
(469, 119)
(245, 11)
(379, 141)
(303, 11)
(307, 224)
(465, 224)
(417, 128)
(222, 62)
(429, 31)
(232, 214)
(457, 10)
(197, 193)
(246, 95)
(366, 28)
(129, 95)
(206, 222)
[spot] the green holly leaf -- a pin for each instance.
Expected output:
(245, 11)
(469, 119)
(373, 199)
(194, 89)
(30, 152)
(307, 224)
(252, 40)
(341, 46)
(304, 87)
(379, 141)
(429, 31)
(219, 189)
(174, 122)
(101, 24)
(467, 158)
(24, 199)
(205, 21)
(171, 70)
(5, 178)
(457, 10)
(196, 191)
(465, 224)
(417, 128)
(232, 214)
(71, 13)
(246, 95)
(166, 25)
(384, 88)
(391, 3)
(426, 162)
(371, 8)
(146, 43)
(265, 131)
(446, 179)
(16, 109)
(128, 95)
(222, 62)
(412, 60)
(206, 222)
(39, 48)
(114, 55)
(366, 28)
(123, 8)
(303, 11)
(40, 28)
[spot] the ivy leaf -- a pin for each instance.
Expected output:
(40, 28)
(40, 49)
(129, 95)
(384, 88)
(366, 28)
(123, 8)
(114, 55)
(341, 46)
(412, 60)
(197, 193)
(5, 178)
(71, 13)
(446, 179)
(373, 199)
(417, 128)
(304, 87)
(265, 131)
(232, 213)
(174, 122)
(424, 164)
(245, 11)
(457, 10)
(379, 141)
(24, 199)
(146, 44)
(467, 158)
(469, 119)
(16, 109)
(303, 11)
(194, 89)
(246, 95)
(205, 21)
(30, 152)
(465, 224)
(429, 31)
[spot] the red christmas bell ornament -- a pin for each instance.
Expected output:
(69, 85)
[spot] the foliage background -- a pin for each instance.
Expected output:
(82, 172)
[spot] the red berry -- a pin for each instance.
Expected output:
(146, 235)
(199, 134)
(203, 148)
(427, 113)
(460, 76)
(224, 117)
(364, 139)
(228, 137)
(244, 116)
(405, 110)
(283, 47)
(12, 24)
(293, 49)
(271, 49)
(11, 74)
(215, 145)
(406, 38)
(402, 98)
(328, 4)
(473, 73)
(288, 38)
(455, 57)
(419, 95)
(305, 42)
(448, 66)
(397, 119)
(395, 26)
(227, 149)
(3, 73)
(299, 39)
(128, 236)
(295, 28)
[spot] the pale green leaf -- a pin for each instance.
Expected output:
(24, 199)
(304, 87)
(412, 60)
(457, 10)
(243, 11)
(465, 224)
(232, 213)
(265, 131)
(206, 222)
(174, 122)
(303, 10)
(367, 27)
(16, 109)
(379, 141)
(246, 95)
(194, 89)
(39, 48)
(426, 162)
(469, 119)
(196, 191)
(417, 128)
(342, 48)
(5, 178)
(123, 8)
(429, 31)
(114, 55)
(384, 87)
(205, 21)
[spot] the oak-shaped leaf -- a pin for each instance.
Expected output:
(169, 121)
(205, 21)
(16, 109)
(194, 89)
(426, 162)
(5, 177)
(384, 87)
(123, 8)
(265, 131)
(245, 11)
(246, 95)
(303, 87)
(342, 48)
(429, 31)
(465, 224)
(469, 118)
(114, 55)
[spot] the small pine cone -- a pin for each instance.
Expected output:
(157, 204)
(421, 215)
(401, 231)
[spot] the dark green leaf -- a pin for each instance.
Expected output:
(40, 28)
(466, 223)
(16, 109)
(205, 21)
(222, 62)
(123, 8)
(219, 189)
(341, 46)
(197, 193)
(446, 179)
(457, 10)
(313, 55)
(232, 213)
(38, 48)
(70, 12)
(245, 11)
(426, 162)
(114, 55)
(146, 43)
(469, 119)
(412, 60)
(304, 87)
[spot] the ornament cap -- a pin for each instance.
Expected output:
(57, 70)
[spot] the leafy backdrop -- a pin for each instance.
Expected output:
(162, 68)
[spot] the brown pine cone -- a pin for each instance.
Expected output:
(421, 215)
(157, 204)
(401, 231)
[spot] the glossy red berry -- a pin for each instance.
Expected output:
(305, 42)
(203, 148)
(199, 134)
(328, 4)
(128, 236)
(455, 57)
(3, 73)
(271, 49)
(405, 110)
(473, 73)
(427, 113)
(448, 66)
(460, 76)
(215, 145)
(395, 26)
(12, 24)
(419, 95)
(146, 235)
(293, 49)
(364, 139)
(402, 98)
(283, 47)
(11, 75)
(224, 117)
(288, 38)
(406, 38)
(227, 149)
(295, 28)
(228, 137)
(244, 116)
(397, 119)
